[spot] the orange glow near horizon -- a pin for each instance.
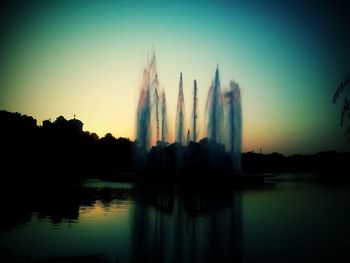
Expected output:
(89, 62)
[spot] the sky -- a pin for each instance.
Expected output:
(87, 58)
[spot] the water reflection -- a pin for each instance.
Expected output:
(292, 220)
(58, 202)
(124, 222)
(187, 225)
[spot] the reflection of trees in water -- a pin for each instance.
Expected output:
(186, 226)
(58, 203)
(169, 225)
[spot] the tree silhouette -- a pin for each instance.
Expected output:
(343, 90)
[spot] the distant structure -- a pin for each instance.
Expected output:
(76, 124)
(62, 124)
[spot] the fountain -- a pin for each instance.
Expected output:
(180, 115)
(214, 110)
(146, 114)
(195, 114)
(143, 114)
(223, 127)
(233, 97)
(156, 102)
(164, 118)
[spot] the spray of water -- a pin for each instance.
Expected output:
(214, 110)
(143, 114)
(152, 114)
(195, 112)
(149, 91)
(180, 116)
(164, 118)
(237, 126)
(156, 102)
(234, 123)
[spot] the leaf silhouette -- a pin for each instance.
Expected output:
(344, 85)
(346, 108)
(343, 90)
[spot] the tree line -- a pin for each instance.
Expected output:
(61, 149)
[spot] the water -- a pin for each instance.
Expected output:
(223, 120)
(223, 124)
(292, 219)
(143, 118)
(164, 118)
(146, 114)
(180, 115)
(215, 110)
(195, 112)
(149, 128)
(156, 102)
(233, 97)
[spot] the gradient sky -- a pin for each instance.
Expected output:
(87, 58)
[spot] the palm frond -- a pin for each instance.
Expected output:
(346, 108)
(345, 84)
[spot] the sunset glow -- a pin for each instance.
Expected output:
(88, 59)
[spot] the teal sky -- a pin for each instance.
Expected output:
(87, 58)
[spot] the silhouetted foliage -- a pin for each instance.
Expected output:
(61, 150)
(329, 163)
(343, 90)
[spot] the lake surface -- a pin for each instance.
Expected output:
(293, 218)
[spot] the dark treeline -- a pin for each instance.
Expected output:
(62, 148)
(329, 163)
